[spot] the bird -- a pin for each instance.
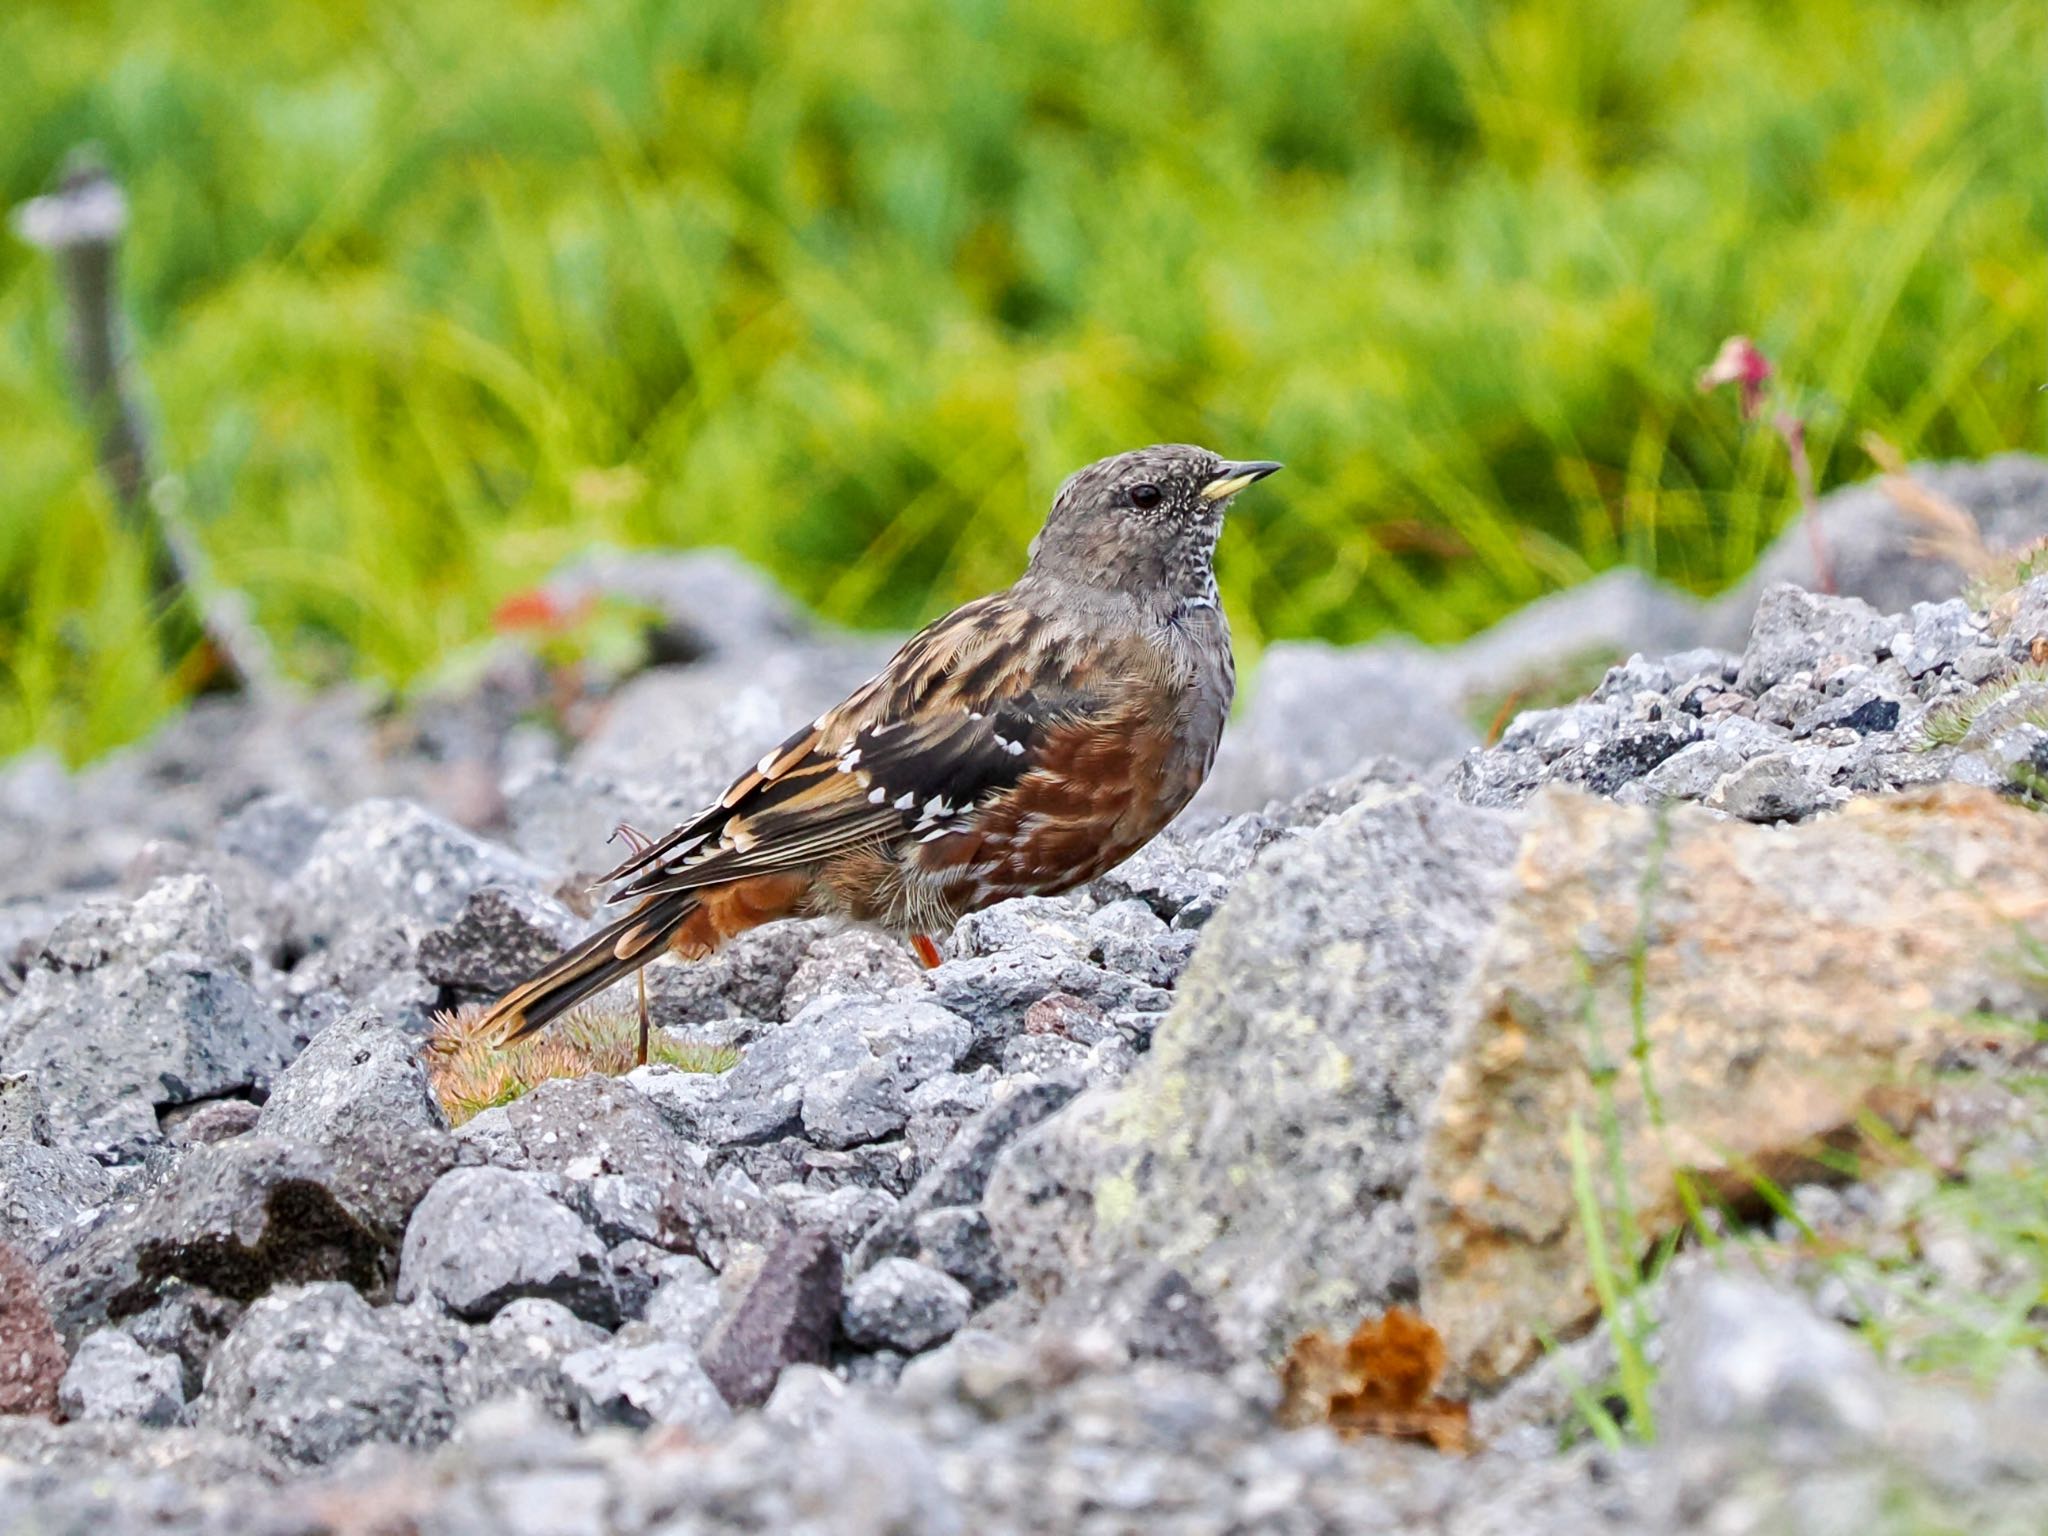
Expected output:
(1024, 744)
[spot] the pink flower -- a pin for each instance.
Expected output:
(1741, 364)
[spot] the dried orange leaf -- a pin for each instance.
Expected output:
(1378, 1383)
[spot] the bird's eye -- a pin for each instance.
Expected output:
(1145, 497)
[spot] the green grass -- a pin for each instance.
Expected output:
(429, 296)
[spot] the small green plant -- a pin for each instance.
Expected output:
(471, 1073)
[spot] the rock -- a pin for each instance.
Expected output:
(382, 859)
(1396, 701)
(641, 1384)
(485, 1236)
(806, 1399)
(1796, 631)
(745, 979)
(113, 1377)
(186, 1322)
(31, 1355)
(583, 1127)
(961, 1173)
(685, 1306)
(42, 1189)
(1774, 787)
(312, 1371)
(239, 1219)
(204, 1125)
(357, 1082)
(1263, 1146)
(502, 935)
(786, 1316)
(1888, 924)
(136, 1007)
(957, 1240)
(901, 1304)
(885, 1048)
(1753, 1359)
(911, 1043)
(24, 1112)
(849, 962)
(273, 832)
(1876, 552)
(710, 1218)
(520, 1351)
(996, 992)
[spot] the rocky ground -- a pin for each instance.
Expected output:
(1671, 1034)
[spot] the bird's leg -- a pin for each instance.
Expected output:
(634, 838)
(927, 952)
(646, 1020)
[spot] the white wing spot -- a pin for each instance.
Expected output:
(849, 760)
(905, 802)
(877, 795)
(765, 764)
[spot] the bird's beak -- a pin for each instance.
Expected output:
(1235, 477)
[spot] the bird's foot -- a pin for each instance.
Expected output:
(927, 952)
(646, 1018)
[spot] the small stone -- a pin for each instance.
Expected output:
(786, 1316)
(686, 1304)
(503, 934)
(957, 1240)
(217, 1120)
(43, 1189)
(32, 1358)
(637, 1385)
(484, 1236)
(901, 1304)
(24, 1114)
(113, 1377)
(1770, 788)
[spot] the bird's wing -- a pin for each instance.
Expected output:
(959, 715)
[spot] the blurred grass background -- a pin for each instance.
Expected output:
(430, 296)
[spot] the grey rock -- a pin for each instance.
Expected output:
(901, 1304)
(844, 1213)
(685, 1305)
(849, 962)
(113, 1377)
(1751, 1359)
(24, 1112)
(1397, 701)
(370, 967)
(786, 1316)
(1774, 787)
(312, 1371)
(995, 992)
(137, 1006)
(391, 858)
(1796, 631)
(960, 1174)
(909, 1042)
(1688, 774)
(1306, 1042)
(357, 1082)
(273, 832)
(565, 820)
(618, 1207)
(637, 1385)
(746, 979)
(502, 935)
(957, 1240)
(806, 1399)
(711, 1218)
(1874, 550)
(216, 1120)
(582, 1128)
(186, 1322)
(239, 1219)
(520, 1352)
(43, 1189)
(485, 1236)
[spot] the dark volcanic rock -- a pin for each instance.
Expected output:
(786, 1316)
(502, 935)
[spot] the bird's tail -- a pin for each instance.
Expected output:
(611, 954)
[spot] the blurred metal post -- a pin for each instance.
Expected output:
(80, 226)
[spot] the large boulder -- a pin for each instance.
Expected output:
(1264, 1144)
(1706, 1001)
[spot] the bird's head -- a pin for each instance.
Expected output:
(1143, 521)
